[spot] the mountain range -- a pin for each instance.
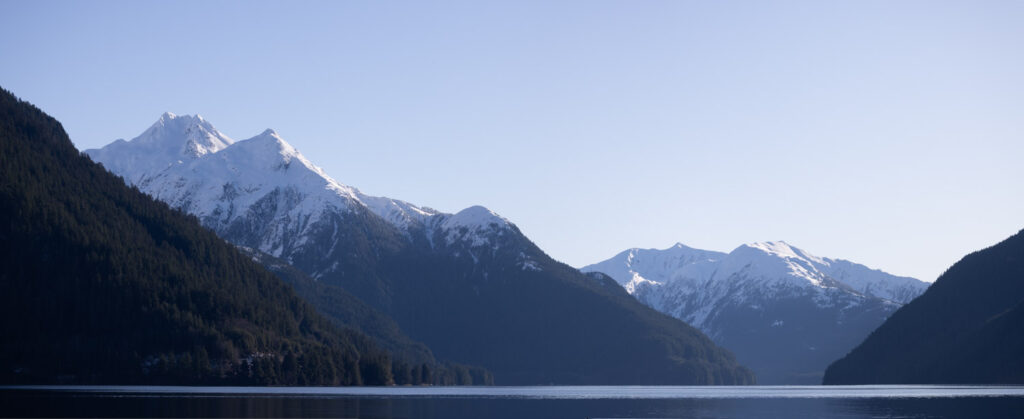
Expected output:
(469, 285)
(324, 285)
(784, 312)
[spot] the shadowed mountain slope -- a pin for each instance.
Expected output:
(968, 328)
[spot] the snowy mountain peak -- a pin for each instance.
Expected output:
(474, 225)
(681, 246)
(171, 140)
(765, 299)
(777, 247)
(272, 146)
(184, 161)
(784, 250)
(170, 117)
(780, 309)
(772, 261)
(200, 137)
(474, 217)
(263, 154)
(688, 252)
(761, 262)
(634, 267)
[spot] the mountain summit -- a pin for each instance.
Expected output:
(186, 162)
(784, 312)
(470, 285)
(171, 139)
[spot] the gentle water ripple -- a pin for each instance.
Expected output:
(569, 392)
(554, 402)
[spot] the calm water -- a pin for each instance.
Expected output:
(518, 402)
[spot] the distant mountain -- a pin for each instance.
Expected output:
(469, 285)
(100, 283)
(968, 328)
(784, 312)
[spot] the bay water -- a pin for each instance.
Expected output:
(517, 402)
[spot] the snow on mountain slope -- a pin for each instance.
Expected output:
(795, 263)
(761, 261)
(874, 282)
(472, 224)
(638, 266)
(172, 139)
(399, 213)
(783, 311)
(186, 162)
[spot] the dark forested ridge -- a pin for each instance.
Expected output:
(968, 328)
(413, 362)
(100, 283)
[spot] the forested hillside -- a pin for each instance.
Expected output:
(413, 362)
(968, 328)
(100, 283)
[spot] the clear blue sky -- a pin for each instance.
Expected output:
(887, 133)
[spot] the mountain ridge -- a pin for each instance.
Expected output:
(469, 284)
(267, 152)
(782, 311)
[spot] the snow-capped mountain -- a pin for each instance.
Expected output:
(785, 312)
(171, 140)
(229, 184)
(469, 284)
(636, 267)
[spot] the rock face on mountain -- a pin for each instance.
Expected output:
(968, 328)
(784, 312)
(469, 284)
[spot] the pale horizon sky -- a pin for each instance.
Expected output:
(886, 133)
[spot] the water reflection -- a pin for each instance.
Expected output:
(34, 403)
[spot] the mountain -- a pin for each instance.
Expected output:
(101, 284)
(784, 312)
(470, 285)
(968, 328)
(347, 310)
(410, 357)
